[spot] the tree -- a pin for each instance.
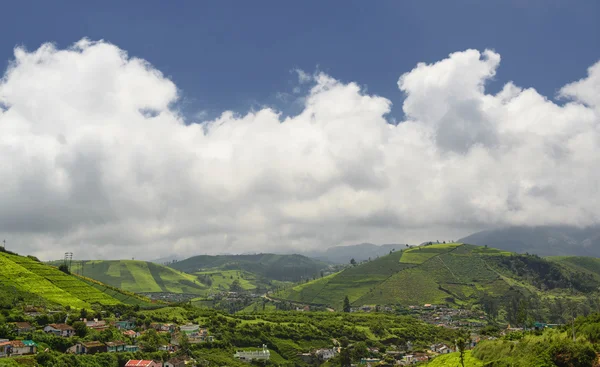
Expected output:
(235, 286)
(64, 268)
(345, 359)
(346, 304)
(80, 328)
(461, 346)
(352, 261)
(150, 341)
(184, 344)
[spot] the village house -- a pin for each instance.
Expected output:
(163, 327)
(142, 363)
(132, 348)
(369, 361)
(441, 348)
(63, 330)
(96, 324)
(190, 330)
(22, 347)
(131, 334)
(23, 328)
(88, 348)
(325, 354)
(4, 347)
(261, 355)
(114, 347)
(125, 324)
(176, 362)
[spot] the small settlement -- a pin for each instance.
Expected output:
(130, 330)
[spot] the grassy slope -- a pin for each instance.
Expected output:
(46, 283)
(140, 276)
(440, 273)
(453, 359)
(353, 282)
(267, 266)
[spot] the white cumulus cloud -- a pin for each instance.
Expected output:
(95, 160)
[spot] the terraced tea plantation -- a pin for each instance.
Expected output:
(140, 276)
(29, 276)
(452, 273)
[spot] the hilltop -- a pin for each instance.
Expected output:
(287, 268)
(360, 252)
(25, 278)
(455, 274)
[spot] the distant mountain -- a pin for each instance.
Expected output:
(268, 266)
(541, 240)
(451, 273)
(360, 252)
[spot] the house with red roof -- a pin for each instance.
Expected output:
(142, 363)
(5, 347)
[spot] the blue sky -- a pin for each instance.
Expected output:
(238, 54)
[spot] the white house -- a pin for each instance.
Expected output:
(326, 354)
(4, 347)
(23, 347)
(262, 355)
(63, 330)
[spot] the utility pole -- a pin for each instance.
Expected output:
(573, 325)
(68, 260)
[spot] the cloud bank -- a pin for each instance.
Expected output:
(96, 160)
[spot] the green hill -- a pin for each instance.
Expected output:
(139, 276)
(456, 274)
(27, 279)
(147, 277)
(288, 268)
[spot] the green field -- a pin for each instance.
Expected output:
(44, 283)
(453, 359)
(139, 276)
(144, 277)
(450, 273)
(353, 282)
(287, 268)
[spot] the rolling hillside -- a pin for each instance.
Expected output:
(139, 276)
(146, 277)
(267, 266)
(26, 279)
(453, 273)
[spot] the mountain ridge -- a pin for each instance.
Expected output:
(541, 240)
